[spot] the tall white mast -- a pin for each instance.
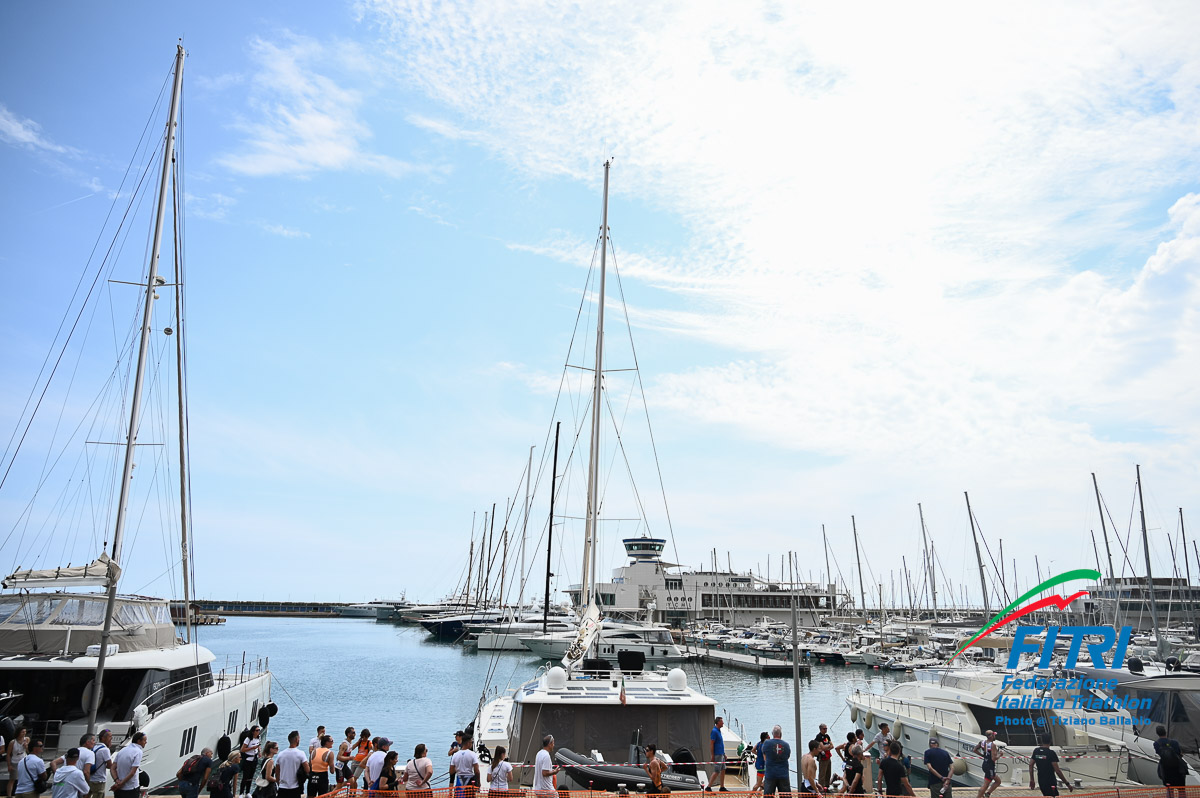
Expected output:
(135, 409)
(587, 576)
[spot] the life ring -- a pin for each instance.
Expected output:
(869, 719)
(854, 714)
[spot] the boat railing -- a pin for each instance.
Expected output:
(199, 684)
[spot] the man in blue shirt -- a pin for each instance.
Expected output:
(938, 763)
(718, 755)
(776, 753)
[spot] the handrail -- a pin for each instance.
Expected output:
(220, 680)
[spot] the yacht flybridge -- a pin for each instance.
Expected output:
(74, 662)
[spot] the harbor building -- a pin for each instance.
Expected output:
(650, 588)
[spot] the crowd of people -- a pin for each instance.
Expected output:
(257, 768)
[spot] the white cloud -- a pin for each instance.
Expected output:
(286, 232)
(302, 120)
(925, 231)
(24, 132)
(215, 206)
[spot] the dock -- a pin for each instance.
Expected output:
(768, 666)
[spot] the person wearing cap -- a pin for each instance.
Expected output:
(990, 751)
(938, 763)
(375, 760)
(68, 779)
(457, 744)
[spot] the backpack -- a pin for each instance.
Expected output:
(190, 769)
(1170, 759)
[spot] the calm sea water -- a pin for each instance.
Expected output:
(394, 680)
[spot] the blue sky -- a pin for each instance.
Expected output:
(871, 259)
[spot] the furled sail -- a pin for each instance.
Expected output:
(98, 573)
(589, 624)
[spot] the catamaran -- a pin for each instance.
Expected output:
(74, 662)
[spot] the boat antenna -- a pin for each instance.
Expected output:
(550, 531)
(135, 410)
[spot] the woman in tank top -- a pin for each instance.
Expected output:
(322, 762)
(249, 753)
(17, 748)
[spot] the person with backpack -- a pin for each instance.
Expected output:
(223, 784)
(292, 767)
(1172, 768)
(195, 771)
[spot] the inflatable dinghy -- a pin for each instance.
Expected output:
(586, 771)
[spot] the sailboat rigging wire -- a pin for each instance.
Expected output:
(103, 267)
(645, 404)
(8, 449)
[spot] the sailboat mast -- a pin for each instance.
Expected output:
(862, 590)
(828, 573)
(1158, 638)
(929, 561)
(550, 531)
(184, 504)
(587, 576)
(978, 558)
(525, 528)
(135, 410)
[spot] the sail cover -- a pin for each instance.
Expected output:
(589, 624)
(98, 573)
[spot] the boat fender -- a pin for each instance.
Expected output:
(854, 714)
(224, 746)
(898, 730)
(143, 778)
(959, 767)
(869, 719)
(264, 717)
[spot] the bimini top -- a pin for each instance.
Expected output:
(556, 686)
(55, 623)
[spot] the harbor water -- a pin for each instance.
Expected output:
(399, 683)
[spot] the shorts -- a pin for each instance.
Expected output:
(989, 768)
(719, 766)
(935, 790)
(760, 768)
(1048, 789)
(98, 788)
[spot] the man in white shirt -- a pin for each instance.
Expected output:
(544, 769)
(464, 766)
(126, 763)
(86, 758)
(375, 760)
(292, 767)
(32, 765)
(101, 765)
(315, 742)
(68, 780)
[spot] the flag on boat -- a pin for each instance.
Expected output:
(622, 691)
(589, 624)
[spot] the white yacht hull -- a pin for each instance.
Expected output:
(555, 648)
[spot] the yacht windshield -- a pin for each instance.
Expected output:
(1178, 711)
